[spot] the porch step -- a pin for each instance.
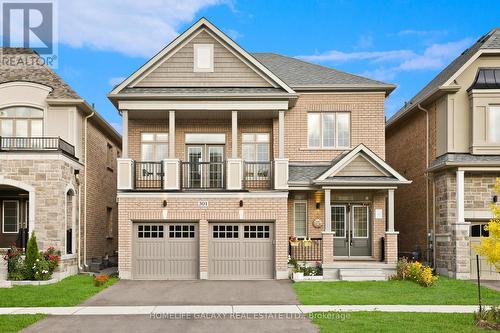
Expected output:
(362, 275)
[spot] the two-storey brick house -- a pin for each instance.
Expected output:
(57, 165)
(447, 140)
(227, 155)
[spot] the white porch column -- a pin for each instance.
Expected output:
(460, 197)
(281, 134)
(390, 210)
(328, 211)
(234, 134)
(124, 133)
(171, 134)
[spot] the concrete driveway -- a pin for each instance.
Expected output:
(200, 292)
(122, 324)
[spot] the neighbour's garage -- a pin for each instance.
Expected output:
(165, 251)
(488, 272)
(240, 251)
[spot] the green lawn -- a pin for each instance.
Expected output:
(358, 322)
(68, 292)
(15, 323)
(445, 291)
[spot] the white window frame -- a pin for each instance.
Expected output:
(367, 221)
(335, 134)
(196, 49)
(155, 142)
(489, 123)
(295, 202)
(345, 221)
(3, 217)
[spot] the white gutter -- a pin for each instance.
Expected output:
(85, 135)
(427, 178)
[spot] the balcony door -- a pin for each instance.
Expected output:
(205, 167)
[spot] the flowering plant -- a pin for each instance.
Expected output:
(99, 280)
(52, 256)
(41, 269)
(14, 263)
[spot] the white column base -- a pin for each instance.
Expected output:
(171, 169)
(125, 170)
(281, 174)
(234, 174)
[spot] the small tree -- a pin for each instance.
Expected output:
(490, 246)
(32, 255)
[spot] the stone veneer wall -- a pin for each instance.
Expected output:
(50, 176)
(185, 207)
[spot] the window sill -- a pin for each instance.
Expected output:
(326, 149)
(68, 256)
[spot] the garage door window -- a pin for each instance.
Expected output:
(150, 231)
(181, 231)
(256, 231)
(225, 231)
(478, 230)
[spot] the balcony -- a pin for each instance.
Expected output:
(36, 144)
(172, 174)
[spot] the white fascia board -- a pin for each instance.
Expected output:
(202, 105)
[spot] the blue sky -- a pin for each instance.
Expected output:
(400, 42)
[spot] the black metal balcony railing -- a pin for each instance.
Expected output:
(36, 144)
(148, 175)
(257, 175)
(303, 252)
(203, 175)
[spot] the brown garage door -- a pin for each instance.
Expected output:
(165, 251)
(241, 251)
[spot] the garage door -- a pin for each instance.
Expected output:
(165, 251)
(241, 251)
(488, 272)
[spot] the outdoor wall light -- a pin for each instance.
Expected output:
(495, 198)
(318, 205)
(318, 196)
(164, 203)
(241, 203)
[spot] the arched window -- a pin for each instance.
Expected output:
(21, 121)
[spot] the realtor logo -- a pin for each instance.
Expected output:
(30, 24)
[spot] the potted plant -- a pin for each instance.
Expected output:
(298, 274)
(307, 242)
(294, 241)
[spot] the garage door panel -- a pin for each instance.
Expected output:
(239, 251)
(488, 271)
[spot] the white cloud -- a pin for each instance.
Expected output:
(420, 33)
(364, 42)
(116, 80)
(131, 27)
(234, 34)
(391, 63)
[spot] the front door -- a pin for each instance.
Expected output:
(206, 166)
(352, 233)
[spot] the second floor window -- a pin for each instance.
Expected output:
(154, 146)
(255, 147)
(21, 121)
(494, 124)
(328, 129)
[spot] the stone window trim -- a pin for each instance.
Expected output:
(17, 216)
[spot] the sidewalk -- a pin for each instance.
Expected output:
(233, 309)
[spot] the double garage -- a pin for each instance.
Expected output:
(173, 250)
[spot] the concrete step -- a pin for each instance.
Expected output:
(362, 275)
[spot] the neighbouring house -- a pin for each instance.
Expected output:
(447, 140)
(228, 154)
(57, 165)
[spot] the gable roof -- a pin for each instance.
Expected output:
(303, 75)
(38, 73)
(490, 41)
(201, 23)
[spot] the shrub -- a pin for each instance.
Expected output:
(99, 280)
(489, 319)
(41, 269)
(32, 255)
(414, 271)
(52, 257)
(309, 270)
(14, 263)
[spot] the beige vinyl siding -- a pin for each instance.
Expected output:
(229, 71)
(360, 166)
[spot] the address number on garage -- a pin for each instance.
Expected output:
(202, 204)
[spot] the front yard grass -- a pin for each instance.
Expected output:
(15, 323)
(358, 322)
(445, 291)
(68, 292)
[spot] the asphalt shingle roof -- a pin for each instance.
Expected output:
(299, 73)
(465, 159)
(305, 173)
(34, 73)
(489, 41)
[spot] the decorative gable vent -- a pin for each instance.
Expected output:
(203, 58)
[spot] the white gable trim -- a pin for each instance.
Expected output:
(468, 63)
(183, 39)
(379, 163)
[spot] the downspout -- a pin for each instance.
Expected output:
(426, 175)
(86, 195)
(79, 258)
